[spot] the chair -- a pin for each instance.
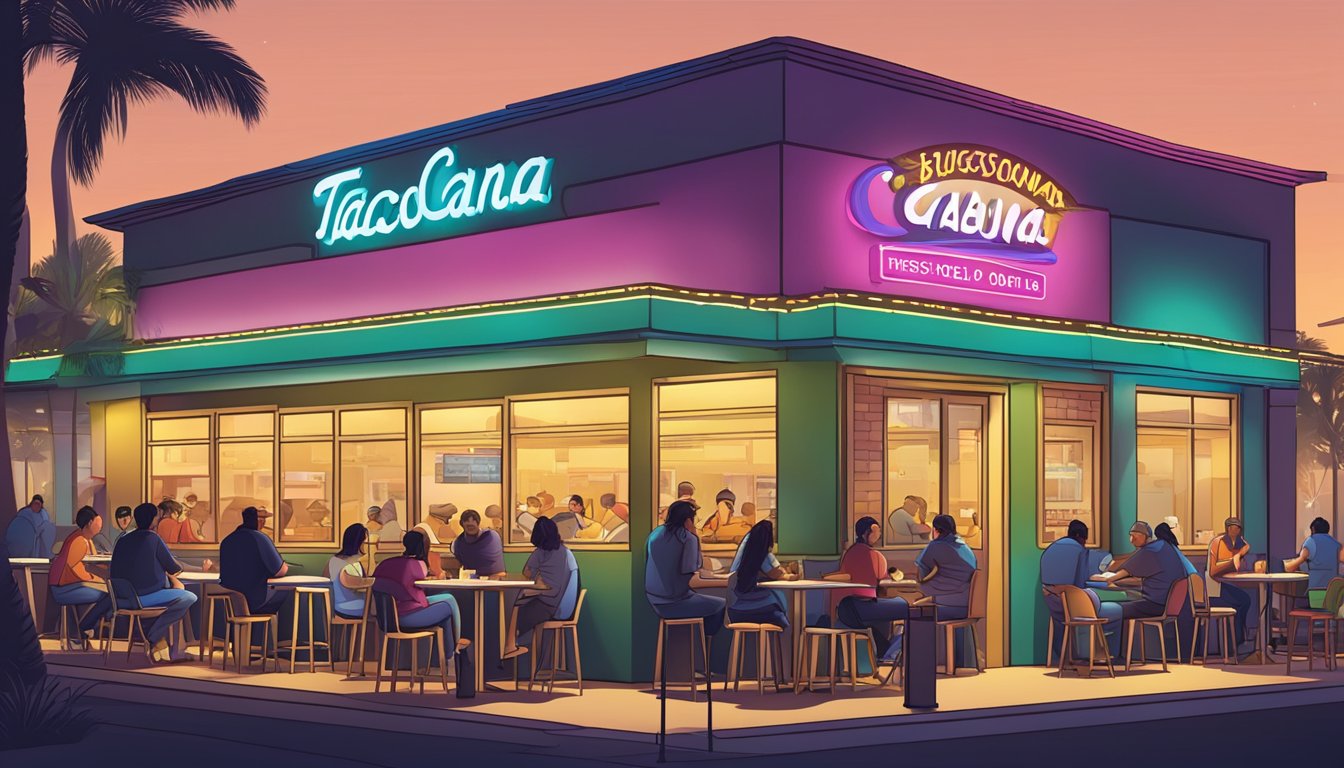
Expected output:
(213, 595)
(310, 647)
(388, 619)
(1328, 615)
(695, 626)
(70, 615)
(126, 602)
(239, 621)
(559, 651)
(1079, 612)
(1207, 615)
(355, 631)
(950, 627)
(769, 654)
(1176, 599)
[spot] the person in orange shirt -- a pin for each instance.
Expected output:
(1226, 553)
(71, 581)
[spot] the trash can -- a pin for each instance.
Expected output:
(921, 658)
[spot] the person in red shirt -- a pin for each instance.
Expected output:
(861, 607)
(71, 581)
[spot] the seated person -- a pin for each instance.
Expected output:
(1321, 553)
(945, 569)
(346, 571)
(1066, 561)
(1156, 563)
(441, 517)
(143, 560)
(554, 569)
(389, 531)
(31, 533)
(71, 582)
(527, 516)
(1226, 553)
(907, 522)
(197, 515)
(397, 576)
(672, 571)
(756, 562)
(480, 549)
(106, 541)
(860, 607)
(572, 520)
(248, 560)
(435, 560)
(607, 519)
(494, 517)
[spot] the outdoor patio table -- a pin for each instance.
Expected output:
(1263, 580)
(29, 564)
(478, 588)
(294, 583)
(199, 579)
(98, 559)
(798, 612)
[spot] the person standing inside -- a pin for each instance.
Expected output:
(672, 571)
(859, 607)
(1226, 553)
(248, 560)
(556, 593)
(31, 533)
(143, 560)
(71, 582)
(1065, 562)
(1321, 553)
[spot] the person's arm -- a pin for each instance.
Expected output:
(168, 563)
(1117, 576)
(1291, 566)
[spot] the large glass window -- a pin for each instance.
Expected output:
(307, 477)
(245, 453)
(373, 483)
(935, 464)
(31, 454)
(565, 447)
(461, 467)
(1070, 462)
(179, 464)
(1187, 463)
(719, 436)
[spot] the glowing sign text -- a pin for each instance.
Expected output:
(896, 263)
(350, 212)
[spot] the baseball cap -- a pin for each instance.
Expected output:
(1233, 521)
(1142, 527)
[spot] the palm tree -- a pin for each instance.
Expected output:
(83, 298)
(1320, 415)
(126, 51)
(20, 654)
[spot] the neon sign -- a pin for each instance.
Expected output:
(443, 191)
(959, 212)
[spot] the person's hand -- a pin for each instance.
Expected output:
(1236, 562)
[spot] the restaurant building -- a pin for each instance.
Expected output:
(819, 280)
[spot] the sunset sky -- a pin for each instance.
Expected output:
(1263, 80)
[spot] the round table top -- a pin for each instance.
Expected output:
(468, 584)
(893, 583)
(300, 581)
(1266, 577)
(97, 558)
(201, 576)
(29, 561)
(810, 584)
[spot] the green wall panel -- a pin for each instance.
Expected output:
(810, 517)
(1026, 611)
(1124, 462)
(1254, 470)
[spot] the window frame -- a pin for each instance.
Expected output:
(1101, 448)
(505, 461)
(656, 417)
(338, 439)
(1233, 429)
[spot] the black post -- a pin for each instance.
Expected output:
(921, 658)
(709, 688)
(662, 697)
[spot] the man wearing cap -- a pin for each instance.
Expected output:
(1225, 555)
(443, 515)
(1157, 564)
(31, 533)
(248, 559)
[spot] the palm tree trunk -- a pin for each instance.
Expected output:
(20, 653)
(60, 194)
(23, 267)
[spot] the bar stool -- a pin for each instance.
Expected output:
(1207, 615)
(696, 626)
(846, 640)
(769, 652)
(310, 647)
(239, 621)
(70, 615)
(355, 631)
(213, 595)
(389, 621)
(559, 652)
(1328, 616)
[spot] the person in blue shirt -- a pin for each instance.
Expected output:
(945, 569)
(672, 571)
(248, 560)
(1066, 561)
(31, 533)
(754, 563)
(143, 560)
(1321, 553)
(1158, 564)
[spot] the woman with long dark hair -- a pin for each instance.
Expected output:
(672, 570)
(755, 562)
(346, 572)
(553, 567)
(397, 576)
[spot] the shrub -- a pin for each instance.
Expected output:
(41, 713)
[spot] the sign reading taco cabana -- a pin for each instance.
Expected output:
(444, 191)
(963, 217)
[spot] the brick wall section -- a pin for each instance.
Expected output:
(866, 446)
(1071, 405)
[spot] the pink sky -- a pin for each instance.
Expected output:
(1256, 79)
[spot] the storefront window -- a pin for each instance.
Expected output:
(559, 448)
(461, 467)
(1070, 462)
(1186, 463)
(307, 477)
(373, 473)
(246, 467)
(28, 417)
(719, 436)
(179, 459)
(935, 464)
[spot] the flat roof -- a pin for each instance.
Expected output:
(771, 49)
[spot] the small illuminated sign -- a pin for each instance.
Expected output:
(961, 216)
(443, 191)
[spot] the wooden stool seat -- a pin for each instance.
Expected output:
(560, 630)
(355, 630)
(389, 621)
(213, 595)
(293, 647)
(1327, 617)
(697, 626)
(769, 653)
(847, 641)
(1209, 616)
(238, 623)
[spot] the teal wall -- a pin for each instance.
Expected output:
(1209, 284)
(1026, 611)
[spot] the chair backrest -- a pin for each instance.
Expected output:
(1176, 597)
(972, 604)
(578, 608)
(1077, 604)
(236, 605)
(385, 612)
(1334, 596)
(1198, 598)
(123, 595)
